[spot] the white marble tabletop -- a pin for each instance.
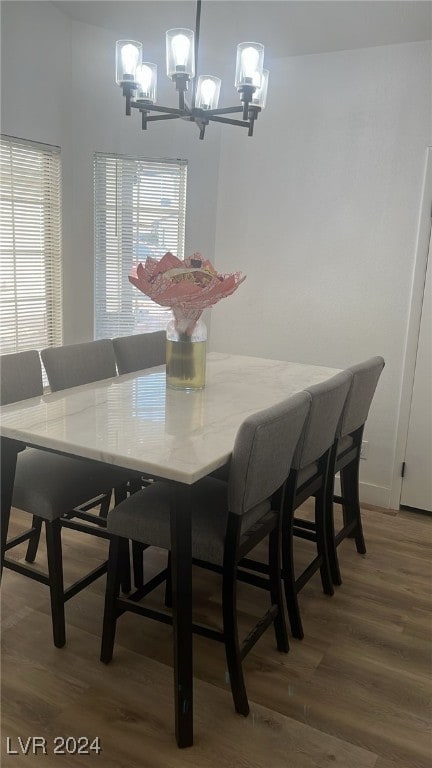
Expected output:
(134, 421)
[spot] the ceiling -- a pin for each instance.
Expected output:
(285, 27)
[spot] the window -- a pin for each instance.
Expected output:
(30, 255)
(140, 209)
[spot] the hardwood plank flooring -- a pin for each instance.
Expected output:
(355, 693)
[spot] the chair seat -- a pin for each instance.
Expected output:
(145, 517)
(48, 485)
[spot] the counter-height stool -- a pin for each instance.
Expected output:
(140, 351)
(228, 520)
(48, 486)
(136, 353)
(347, 450)
(73, 365)
(308, 478)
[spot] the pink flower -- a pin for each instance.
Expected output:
(187, 287)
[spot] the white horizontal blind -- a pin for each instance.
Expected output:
(30, 255)
(140, 210)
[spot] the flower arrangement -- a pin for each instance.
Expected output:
(187, 288)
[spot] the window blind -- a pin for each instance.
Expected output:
(30, 250)
(140, 211)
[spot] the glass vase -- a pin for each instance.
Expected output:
(186, 357)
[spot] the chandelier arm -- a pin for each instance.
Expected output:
(223, 110)
(196, 51)
(229, 121)
(168, 110)
(152, 118)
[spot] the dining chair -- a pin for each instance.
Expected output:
(142, 350)
(228, 520)
(73, 365)
(346, 460)
(48, 486)
(136, 353)
(308, 478)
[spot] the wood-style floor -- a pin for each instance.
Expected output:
(355, 693)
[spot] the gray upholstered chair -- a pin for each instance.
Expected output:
(136, 353)
(228, 520)
(346, 460)
(308, 477)
(20, 379)
(71, 366)
(143, 350)
(75, 364)
(48, 486)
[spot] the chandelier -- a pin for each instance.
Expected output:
(138, 79)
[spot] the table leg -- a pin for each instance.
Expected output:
(9, 450)
(181, 575)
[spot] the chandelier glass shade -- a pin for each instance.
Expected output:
(138, 79)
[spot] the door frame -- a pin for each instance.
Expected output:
(413, 331)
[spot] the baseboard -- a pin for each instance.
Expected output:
(370, 494)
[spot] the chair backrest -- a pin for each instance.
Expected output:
(327, 402)
(143, 350)
(20, 376)
(263, 451)
(76, 364)
(364, 381)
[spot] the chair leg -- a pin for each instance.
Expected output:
(138, 563)
(168, 584)
(330, 534)
(137, 548)
(120, 494)
(104, 507)
(349, 478)
(288, 575)
(321, 513)
(111, 595)
(276, 591)
(8, 458)
(135, 486)
(232, 647)
(55, 575)
(33, 544)
(125, 570)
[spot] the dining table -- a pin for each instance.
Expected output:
(136, 422)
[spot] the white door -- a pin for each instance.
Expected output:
(417, 481)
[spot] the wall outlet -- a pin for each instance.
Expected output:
(364, 449)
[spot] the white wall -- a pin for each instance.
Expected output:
(320, 210)
(36, 64)
(58, 87)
